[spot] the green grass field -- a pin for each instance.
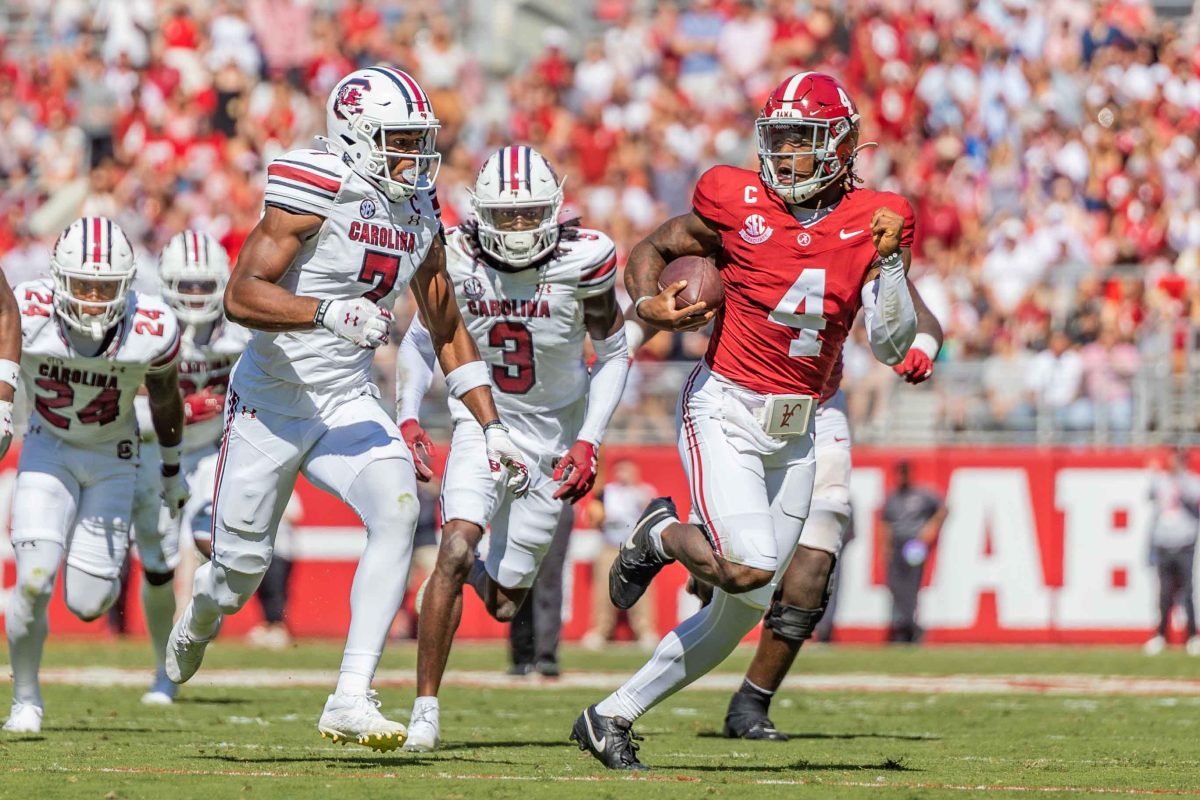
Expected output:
(510, 741)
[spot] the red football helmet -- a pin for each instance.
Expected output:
(808, 115)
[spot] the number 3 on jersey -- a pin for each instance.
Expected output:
(803, 308)
(513, 339)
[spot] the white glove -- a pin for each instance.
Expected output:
(175, 493)
(6, 426)
(503, 454)
(359, 321)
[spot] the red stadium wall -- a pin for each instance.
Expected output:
(1040, 545)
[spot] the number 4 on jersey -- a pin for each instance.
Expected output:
(803, 308)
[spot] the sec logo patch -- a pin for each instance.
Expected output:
(366, 209)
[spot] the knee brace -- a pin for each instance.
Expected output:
(159, 578)
(797, 624)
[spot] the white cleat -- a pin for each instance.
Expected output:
(25, 718)
(424, 730)
(1154, 646)
(356, 718)
(184, 654)
(162, 693)
(1193, 646)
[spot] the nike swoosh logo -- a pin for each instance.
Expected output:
(596, 743)
(841, 438)
(842, 233)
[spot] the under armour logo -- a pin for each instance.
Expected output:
(249, 413)
(348, 322)
(788, 413)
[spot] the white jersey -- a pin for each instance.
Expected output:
(207, 355)
(367, 247)
(89, 399)
(528, 325)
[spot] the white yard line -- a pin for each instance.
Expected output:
(665, 775)
(851, 682)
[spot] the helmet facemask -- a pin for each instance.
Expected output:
(382, 163)
(196, 300)
(88, 301)
(518, 233)
(800, 157)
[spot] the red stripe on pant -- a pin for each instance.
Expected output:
(231, 409)
(695, 457)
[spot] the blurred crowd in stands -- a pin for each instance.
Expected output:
(1049, 146)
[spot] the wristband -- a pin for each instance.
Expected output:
(469, 376)
(319, 316)
(495, 424)
(170, 454)
(637, 304)
(927, 344)
(10, 373)
(893, 262)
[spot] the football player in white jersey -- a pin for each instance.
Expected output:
(89, 344)
(194, 269)
(345, 230)
(530, 291)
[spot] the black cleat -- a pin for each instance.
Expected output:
(638, 562)
(610, 739)
(747, 719)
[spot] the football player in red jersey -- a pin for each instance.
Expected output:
(800, 249)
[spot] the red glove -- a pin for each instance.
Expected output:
(916, 367)
(577, 472)
(416, 437)
(202, 406)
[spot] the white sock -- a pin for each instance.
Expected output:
(697, 644)
(422, 704)
(382, 573)
(158, 603)
(352, 683)
(26, 620)
(656, 532)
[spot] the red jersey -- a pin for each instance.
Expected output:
(791, 290)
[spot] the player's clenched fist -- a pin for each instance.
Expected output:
(503, 455)
(420, 445)
(576, 471)
(359, 321)
(175, 492)
(916, 367)
(885, 230)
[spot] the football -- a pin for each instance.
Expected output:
(704, 281)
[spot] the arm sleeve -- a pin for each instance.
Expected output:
(414, 370)
(166, 357)
(908, 231)
(303, 183)
(890, 316)
(607, 385)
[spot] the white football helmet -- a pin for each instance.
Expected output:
(516, 201)
(194, 268)
(92, 267)
(367, 105)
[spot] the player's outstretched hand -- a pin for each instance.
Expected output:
(420, 445)
(504, 455)
(885, 230)
(175, 492)
(662, 312)
(202, 406)
(359, 321)
(6, 426)
(917, 366)
(576, 471)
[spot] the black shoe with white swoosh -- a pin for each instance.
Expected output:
(610, 739)
(638, 562)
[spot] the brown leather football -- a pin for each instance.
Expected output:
(704, 281)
